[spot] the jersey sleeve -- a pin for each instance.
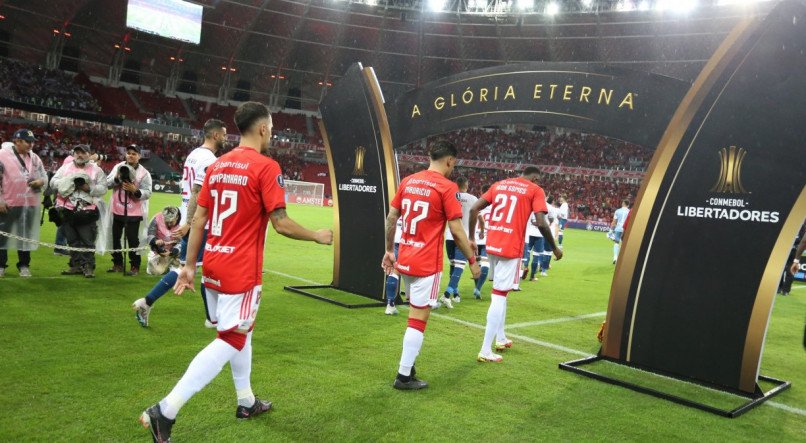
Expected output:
(203, 199)
(539, 200)
(272, 188)
(201, 169)
(396, 200)
(488, 196)
(450, 202)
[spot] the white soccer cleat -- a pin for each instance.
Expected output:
(544, 274)
(25, 272)
(503, 345)
(446, 302)
(457, 299)
(391, 310)
(209, 325)
(489, 358)
(141, 311)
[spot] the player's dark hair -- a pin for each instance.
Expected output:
(461, 181)
(531, 170)
(625, 202)
(550, 199)
(248, 113)
(212, 125)
(441, 149)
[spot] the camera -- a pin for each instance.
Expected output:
(124, 174)
(79, 182)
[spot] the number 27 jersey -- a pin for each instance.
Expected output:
(426, 201)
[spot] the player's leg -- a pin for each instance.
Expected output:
(460, 261)
(506, 273)
(501, 340)
(546, 265)
(535, 248)
(484, 263)
(423, 293)
(563, 221)
(525, 260)
(450, 251)
(616, 245)
(142, 306)
(392, 289)
(241, 364)
(392, 283)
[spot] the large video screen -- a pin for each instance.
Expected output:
(174, 19)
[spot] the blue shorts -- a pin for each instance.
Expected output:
(183, 249)
(482, 250)
(450, 249)
(617, 236)
(547, 246)
(535, 245)
(563, 221)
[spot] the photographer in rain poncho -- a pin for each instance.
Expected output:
(78, 185)
(22, 177)
(128, 207)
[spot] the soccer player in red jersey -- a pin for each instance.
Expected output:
(426, 200)
(242, 191)
(513, 202)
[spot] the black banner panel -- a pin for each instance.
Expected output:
(717, 213)
(363, 178)
(629, 105)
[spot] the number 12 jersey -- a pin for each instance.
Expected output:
(240, 190)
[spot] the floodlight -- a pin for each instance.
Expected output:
(552, 8)
(643, 6)
(436, 5)
(526, 4)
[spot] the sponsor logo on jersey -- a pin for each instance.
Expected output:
(219, 248)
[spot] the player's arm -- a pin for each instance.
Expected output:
(480, 204)
(188, 272)
(459, 236)
(287, 227)
(482, 227)
(191, 211)
(545, 229)
(388, 260)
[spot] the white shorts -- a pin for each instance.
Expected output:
(505, 272)
(422, 292)
(233, 311)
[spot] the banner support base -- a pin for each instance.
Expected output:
(305, 290)
(754, 399)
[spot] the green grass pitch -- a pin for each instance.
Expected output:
(77, 367)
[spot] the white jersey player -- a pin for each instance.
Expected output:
(455, 256)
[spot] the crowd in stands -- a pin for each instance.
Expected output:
(576, 150)
(33, 84)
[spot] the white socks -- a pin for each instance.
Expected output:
(500, 335)
(241, 365)
(495, 318)
(202, 370)
(412, 342)
(616, 248)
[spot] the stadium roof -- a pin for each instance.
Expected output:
(276, 46)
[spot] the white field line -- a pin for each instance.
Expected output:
(544, 344)
(556, 320)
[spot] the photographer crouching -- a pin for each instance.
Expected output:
(131, 184)
(78, 185)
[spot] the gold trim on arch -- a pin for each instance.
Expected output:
(650, 188)
(383, 128)
(759, 318)
(335, 195)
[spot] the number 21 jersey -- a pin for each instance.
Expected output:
(512, 201)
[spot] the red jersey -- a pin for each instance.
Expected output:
(426, 201)
(512, 200)
(240, 190)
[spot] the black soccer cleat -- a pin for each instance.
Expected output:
(159, 425)
(409, 383)
(256, 409)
